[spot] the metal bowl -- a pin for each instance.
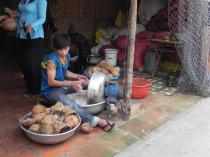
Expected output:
(81, 99)
(95, 92)
(48, 138)
(95, 108)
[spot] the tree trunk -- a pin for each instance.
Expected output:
(131, 48)
(130, 52)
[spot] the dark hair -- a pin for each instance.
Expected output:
(61, 40)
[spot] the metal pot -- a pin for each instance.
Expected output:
(95, 108)
(48, 139)
(81, 99)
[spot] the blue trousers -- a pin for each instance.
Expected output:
(59, 95)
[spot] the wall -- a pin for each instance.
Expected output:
(84, 15)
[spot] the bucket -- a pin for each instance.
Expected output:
(111, 56)
(140, 87)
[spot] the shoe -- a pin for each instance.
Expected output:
(109, 126)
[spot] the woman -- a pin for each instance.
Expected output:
(31, 16)
(55, 87)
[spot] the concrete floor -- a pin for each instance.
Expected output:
(147, 116)
(186, 135)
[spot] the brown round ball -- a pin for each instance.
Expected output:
(28, 122)
(58, 107)
(34, 128)
(47, 120)
(86, 128)
(38, 117)
(57, 118)
(68, 111)
(38, 109)
(61, 127)
(46, 129)
(72, 120)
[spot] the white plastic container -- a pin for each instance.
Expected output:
(111, 56)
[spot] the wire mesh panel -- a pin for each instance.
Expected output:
(189, 23)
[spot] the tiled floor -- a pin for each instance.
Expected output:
(154, 110)
(159, 85)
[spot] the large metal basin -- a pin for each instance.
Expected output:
(82, 100)
(48, 139)
(95, 108)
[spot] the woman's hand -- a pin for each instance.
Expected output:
(77, 85)
(29, 28)
(84, 79)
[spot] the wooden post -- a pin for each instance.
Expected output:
(130, 52)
